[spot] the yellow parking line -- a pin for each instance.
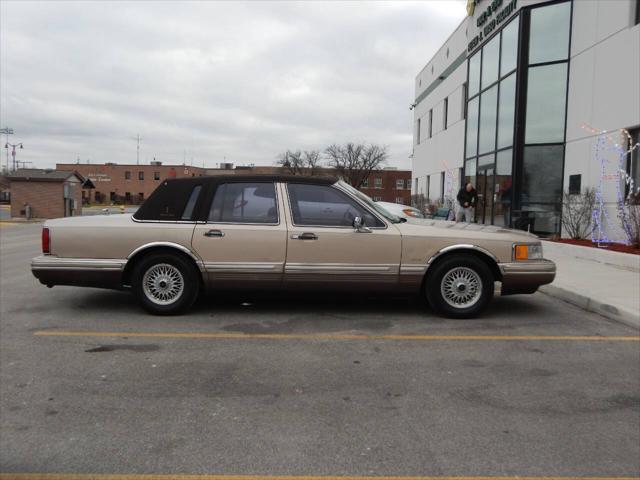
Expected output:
(58, 476)
(321, 336)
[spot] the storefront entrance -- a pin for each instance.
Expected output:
(486, 196)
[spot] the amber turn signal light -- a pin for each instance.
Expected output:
(521, 252)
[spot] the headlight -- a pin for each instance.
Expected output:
(527, 251)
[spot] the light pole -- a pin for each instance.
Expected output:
(13, 151)
(7, 131)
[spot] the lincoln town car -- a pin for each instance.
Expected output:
(208, 235)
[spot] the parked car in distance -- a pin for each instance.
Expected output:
(251, 232)
(400, 210)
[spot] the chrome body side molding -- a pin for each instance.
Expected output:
(460, 246)
(50, 262)
(341, 268)
(177, 246)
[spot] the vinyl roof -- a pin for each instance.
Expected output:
(239, 177)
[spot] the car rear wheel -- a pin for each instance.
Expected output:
(459, 286)
(165, 284)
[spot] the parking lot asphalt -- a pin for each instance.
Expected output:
(309, 386)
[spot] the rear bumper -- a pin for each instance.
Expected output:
(526, 277)
(85, 272)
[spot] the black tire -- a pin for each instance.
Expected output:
(173, 269)
(463, 272)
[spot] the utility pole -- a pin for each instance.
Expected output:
(13, 151)
(138, 151)
(7, 131)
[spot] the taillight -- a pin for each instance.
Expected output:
(46, 241)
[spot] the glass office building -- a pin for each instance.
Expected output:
(520, 101)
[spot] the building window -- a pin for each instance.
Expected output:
(488, 106)
(377, 199)
(140, 197)
(400, 184)
(464, 101)
(112, 196)
(127, 175)
(399, 200)
(428, 186)
(127, 197)
(365, 183)
(575, 182)
(549, 33)
(377, 182)
(490, 60)
(442, 183)
(445, 113)
(156, 175)
(472, 127)
(415, 186)
(506, 111)
(637, 12)
(474, 73)
(140, 175)
(546, 95)
(418, 133)
(430, 123)
(509, 45)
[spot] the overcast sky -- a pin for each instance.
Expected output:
(243, 81)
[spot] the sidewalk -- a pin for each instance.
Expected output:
(596, 280)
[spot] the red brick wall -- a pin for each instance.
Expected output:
(389, 191)
(45, 198)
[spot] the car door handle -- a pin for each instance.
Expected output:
(304, 236)
(214, 233)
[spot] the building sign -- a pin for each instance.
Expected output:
(99, 177)
(487, 21)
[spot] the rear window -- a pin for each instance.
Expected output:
(173, 200)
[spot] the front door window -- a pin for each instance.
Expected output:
(319, 205)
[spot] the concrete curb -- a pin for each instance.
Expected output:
(624, 316)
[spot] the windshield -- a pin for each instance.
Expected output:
(370, 203)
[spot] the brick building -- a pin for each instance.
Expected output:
(48, 193)
(131, 184)
(122, 183)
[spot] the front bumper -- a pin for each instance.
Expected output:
(86, 272)
(526, 277)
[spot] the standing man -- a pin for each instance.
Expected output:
(467, 197)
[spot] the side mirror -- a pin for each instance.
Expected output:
(359, 226)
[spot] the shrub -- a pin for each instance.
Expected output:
(576, 213)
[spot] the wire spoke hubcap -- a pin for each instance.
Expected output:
(163, 284)
(461, 287)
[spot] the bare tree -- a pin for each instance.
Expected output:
(292, 162)
(576, 213)
(355, 161)
(300, 163)
(312, 161)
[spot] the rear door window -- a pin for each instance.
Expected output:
(244, 203)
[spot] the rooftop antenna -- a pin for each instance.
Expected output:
(138, 150)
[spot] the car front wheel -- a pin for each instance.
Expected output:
(460, 286)
(165, 284)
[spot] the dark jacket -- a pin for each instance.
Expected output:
(467, 197)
